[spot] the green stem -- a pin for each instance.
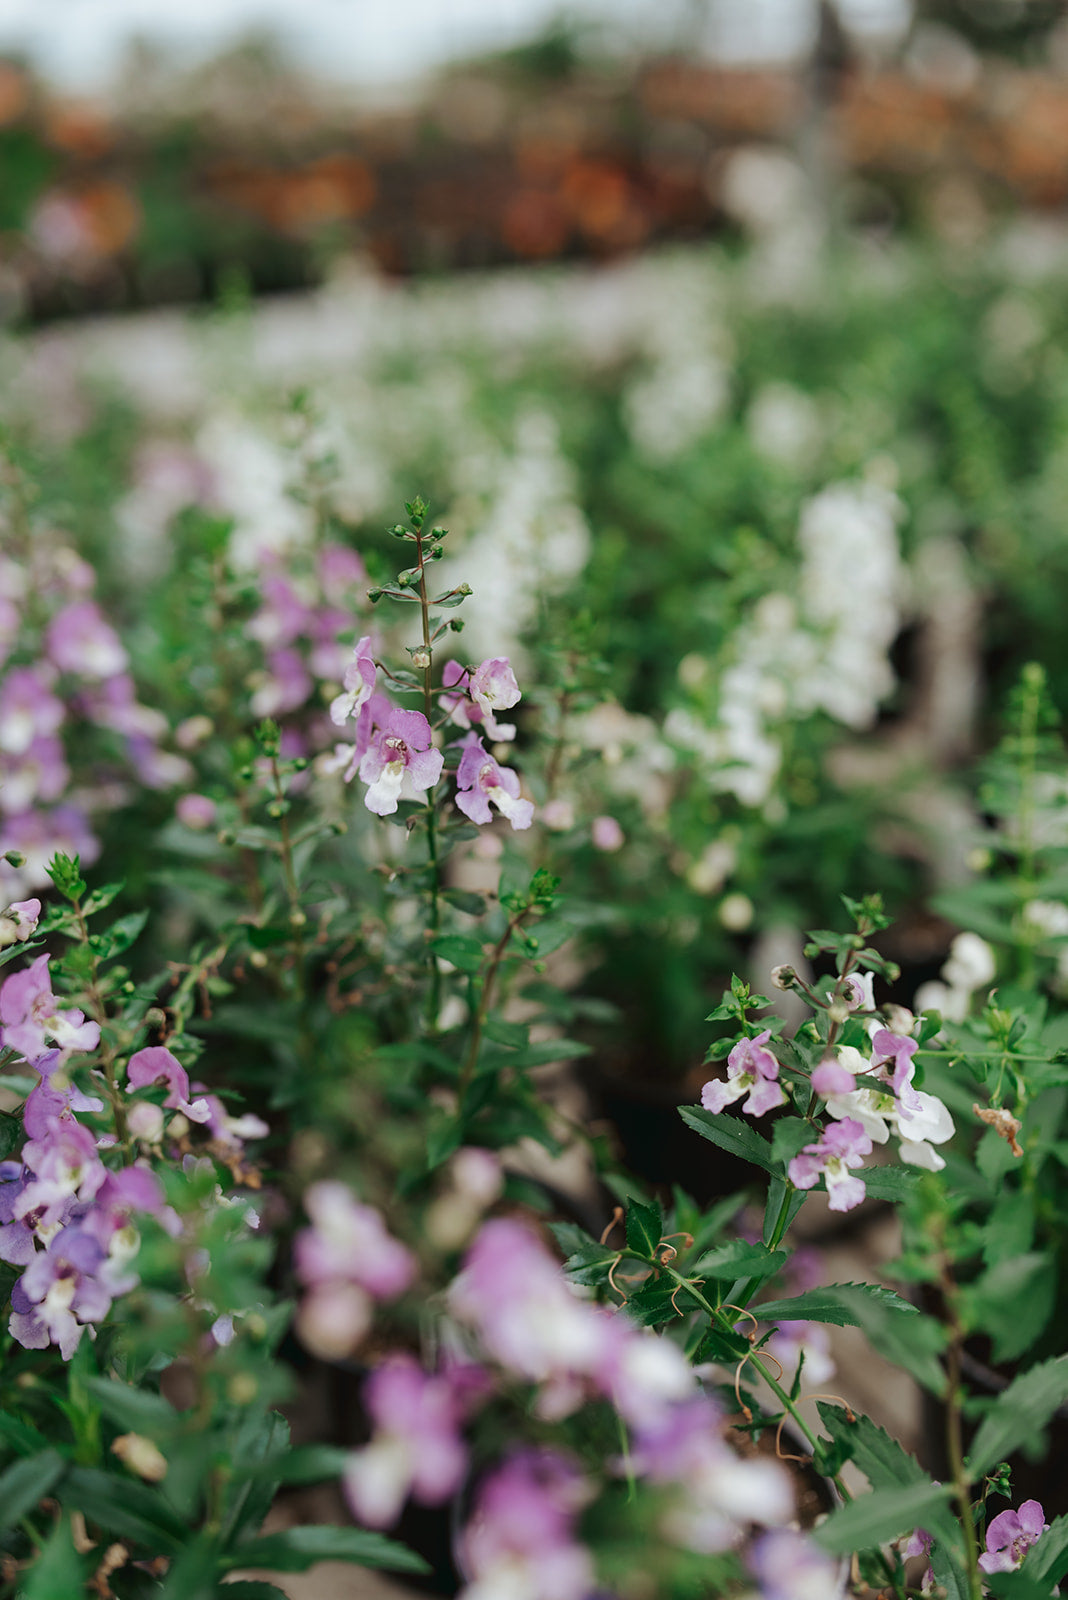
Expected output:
(98, 1011)
(954, 1437)
(467, 1071)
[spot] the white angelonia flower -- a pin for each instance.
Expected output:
(971, 963)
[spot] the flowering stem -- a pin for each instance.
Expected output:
(954, 1439)
(98, 1011)
(297, 917)
(467, 1071)
(433, 1003)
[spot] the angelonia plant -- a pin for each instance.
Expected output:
(289, 1140)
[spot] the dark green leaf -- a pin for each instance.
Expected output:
(1047, 1561)
(1017, 1586)
(102, 897)
(311, 1463)
(512, 1034)
(787, 1137)
(889, 1183)
(466, 900)
(462, 952)
(827, 1305)
(58, 1573)
(884, 1514)
(192, 1576)
(135, 1410)
(730, 1133)
(1012, 1302)
(738, 1259)
(645, 1227)
(913, 1343)
(124, 1509)
(25, 1482)
(120, 936)
(297, 1549)
(1019, 1414)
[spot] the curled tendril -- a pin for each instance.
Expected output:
(746, 1413)
(743, 1312)
(817, 1394)
(617, 1218)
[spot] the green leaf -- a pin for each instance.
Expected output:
(102, 897)
(250, 1589)
(1017, 1586)
(311, 1463)
(788, 1136)
(135, 1410)
(511, 1034)
(645, 1227)
(1047, 1561)
(466, 900)
(59, 1572)
(25, 1482)
(1019, 1414)
(192, 1576)
(730, 1133)
(827, 1305)
(737, 1259)
(652, 1304)
(890, 1183)
(1012, 1302)
(913, 1343)
(461, 951)
(949, 1571)
(885, 1463)
(120, 936)
(884, 1514)
(124, 1509)
(297, 1549)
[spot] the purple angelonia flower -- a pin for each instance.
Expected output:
(890, 1047)
(19, 922)
(156, 1064)
(340, 571)
(31, 1018)
(841, 1146)
(1010, 1535)
(283, 616)
(790, 1567)
(479, 780)
(63, 1288)
(287, 684)
(752, 1070)
(399, 754)
(520, 1539)
(859, 992)
(348, 1240)
(359, 683)
(831, 1077)
(41, 835)
(416, 1449)
(79, 641)
(491, 687)
(39, 774)
(28, 708)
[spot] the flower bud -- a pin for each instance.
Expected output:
(783, 977)
(145, 1121)
(141, 1456)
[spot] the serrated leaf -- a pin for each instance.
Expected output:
(872, 1519)
(192, 1576)
(913, 1343)
(731, 1134)
(827, 1305)
(1012, 1302)
(787, 1137)
(462, 952)
(645, 1227)
(25, 1482)
(889, 1183)
(297, 1549)
(738, 1259)
(652, 1304)
(1017, 1586)
(1019, 1414)
(885, 1463)
(120, 936)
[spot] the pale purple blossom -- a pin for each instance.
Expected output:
(196, 811)
(32, 1019)
(479, 780)
(286, 684)
(789, 1566)
(79, 641)
(841, 1146)
(859, 991)
(348, 1240)
(1010, 1535)
(606, 834)
(833, 1077)
(41, 835)
(520, 1540)
(399, 757)
(890, 1047)
(28, 708)
(491, 687)
(19, 921)
(416, 1448)
(340, 571)
(64, 1287)
(155, 1064)
(359, 683)
(751, 1070)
